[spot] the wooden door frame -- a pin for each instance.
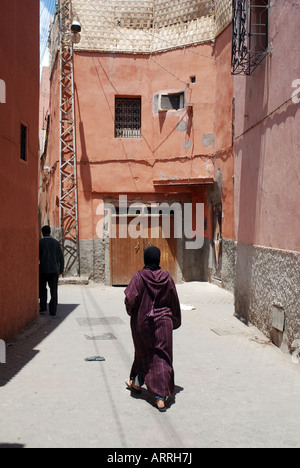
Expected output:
(148, 215)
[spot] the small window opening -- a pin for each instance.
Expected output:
(23, 143)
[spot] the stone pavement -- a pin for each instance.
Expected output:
(233, 389)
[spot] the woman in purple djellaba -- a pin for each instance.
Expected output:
(153, 304)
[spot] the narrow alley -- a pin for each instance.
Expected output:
(156, 135)
(233, 387)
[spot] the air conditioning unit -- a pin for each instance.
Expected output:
(171, 101)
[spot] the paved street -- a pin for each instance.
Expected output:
(233, 389)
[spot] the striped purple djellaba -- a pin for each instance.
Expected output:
(153, 304)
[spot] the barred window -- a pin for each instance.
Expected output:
(128, 118)
(250, 35)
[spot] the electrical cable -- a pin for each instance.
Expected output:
(264, 118)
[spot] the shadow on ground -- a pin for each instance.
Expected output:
(3, 445)
(149, 398)
(21, 350)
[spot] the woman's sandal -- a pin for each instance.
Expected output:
(133, 387)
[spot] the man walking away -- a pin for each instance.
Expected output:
(51, 266)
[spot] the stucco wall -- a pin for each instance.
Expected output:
(267, 165)
(268, 279)
(19, 58)
(191, 143)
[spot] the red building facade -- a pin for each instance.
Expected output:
(19, 58)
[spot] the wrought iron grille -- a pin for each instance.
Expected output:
(250, 31)
(128, 118)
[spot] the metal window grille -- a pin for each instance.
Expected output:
(128, 118)
(250, 31)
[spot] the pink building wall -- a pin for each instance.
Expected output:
(267, 167)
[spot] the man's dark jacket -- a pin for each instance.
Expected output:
(51, 256)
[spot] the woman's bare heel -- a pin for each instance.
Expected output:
(161, 406)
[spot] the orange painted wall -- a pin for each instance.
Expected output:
(109, 165)
(112, 166)
(224, 161)
(19, 58)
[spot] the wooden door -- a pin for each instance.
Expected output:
(166, 242)
(127, 254)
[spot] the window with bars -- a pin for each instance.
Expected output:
(250, 35)
(128, 118)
